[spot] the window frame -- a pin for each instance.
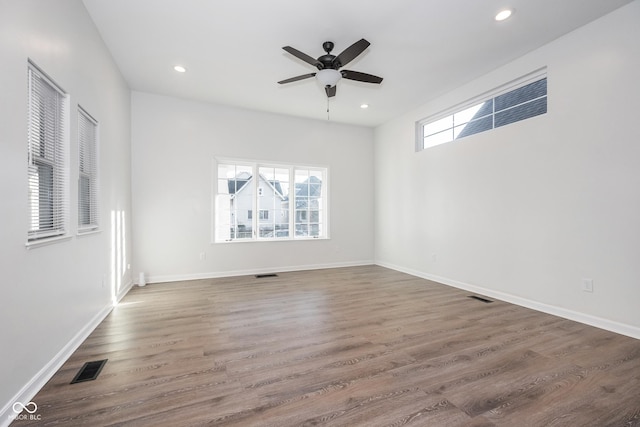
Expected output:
(492, 95)
(47, 130)
(90, 173)
(256, 219)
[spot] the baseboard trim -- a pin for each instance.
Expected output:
(250, 272)
(28, 392)
(587, 319)
(123, 292)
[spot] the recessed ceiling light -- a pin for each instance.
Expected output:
(180, 69)
(504, 14)
(363, 106)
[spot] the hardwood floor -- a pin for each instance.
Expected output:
(341, 347)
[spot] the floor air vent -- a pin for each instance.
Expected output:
(480, 299)
(89, 371)
(262, 276)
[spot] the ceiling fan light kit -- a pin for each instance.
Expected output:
(328, 77)
(329, 65)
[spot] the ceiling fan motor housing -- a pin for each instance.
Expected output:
(326, 61)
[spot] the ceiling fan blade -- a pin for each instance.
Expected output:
(331, 91)
(360, 77)
(296, 78)
(351, 52)
(306, 58)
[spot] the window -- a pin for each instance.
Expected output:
(290, 201)
(87, 172)
(47, 153)
(273, 203)
(309, 207)
(517, 101)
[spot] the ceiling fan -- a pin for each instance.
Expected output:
(329, 65)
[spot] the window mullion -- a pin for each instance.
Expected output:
(255, 220)
(292, 203)
(493, 113)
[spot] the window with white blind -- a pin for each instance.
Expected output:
(291, 202)
(47, 157)
(88, 219)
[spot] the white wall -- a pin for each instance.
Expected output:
(526, 211)
(174, 143)
(51, 295)
(522, 213)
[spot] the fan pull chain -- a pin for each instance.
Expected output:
(328, 118)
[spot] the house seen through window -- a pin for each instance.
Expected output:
(290, 202)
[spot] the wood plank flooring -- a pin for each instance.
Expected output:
(357, 346)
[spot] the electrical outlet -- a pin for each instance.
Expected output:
(587, 285)
(203, 256)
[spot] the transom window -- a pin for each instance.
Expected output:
(290, 202)
(521, 100)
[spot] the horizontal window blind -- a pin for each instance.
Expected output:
(88, 212)
(47, 214)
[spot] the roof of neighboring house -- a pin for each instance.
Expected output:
(240, 182)
(311, 187)
(308, 192)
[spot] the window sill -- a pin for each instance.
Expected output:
(46, 242)
(299, 239)
(82, 233)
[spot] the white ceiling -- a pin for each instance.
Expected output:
(233, 49)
